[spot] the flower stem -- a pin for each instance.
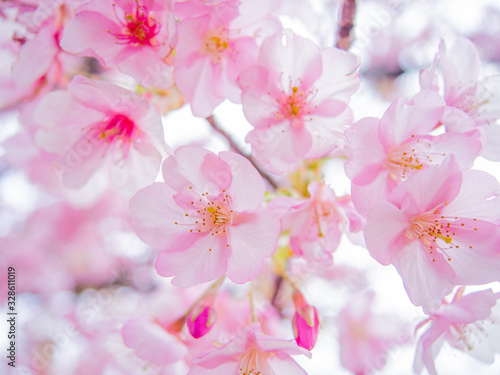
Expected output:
(215, 125)
(252, 304)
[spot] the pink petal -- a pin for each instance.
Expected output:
(366, 197)
(427, 277)
(460, 64)
(339, 78)
(152, 343)
(327, 133)
(470, 308)
(82, 166)
(259, 107)
(404, 119)
(63, 119)
(428, 348)
(247, 188)
(35, 58)
(203, 261)
(148, 69)
(90, 34)
(154, 213)
(231, 367)
(138, 169)
(279, 148)
(431, 187)
(285, 365)
(299, 58)
(107, 97)
(476, 260)
(253, 238)
(197, 168)
(478, 197)
(366, 153)
(199, 91)
(385, 227)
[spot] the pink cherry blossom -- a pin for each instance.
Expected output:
(251, 353)
(215, 44)
(366, 337)
(439, 228)
(205, 218)
(316, 224)
(95, 124)
(296, 98)
(385, 152)
(465, 89)
(135, 36)
(461, 323)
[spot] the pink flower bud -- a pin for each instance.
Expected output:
(201, 320)
(305, 322)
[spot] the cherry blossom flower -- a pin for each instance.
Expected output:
(100, 124)
(366, 337)
(205, 218)
(296, 98)
(385, 152)
(465, 323)
(216, 43)
(135, 36)
(316, 224)
(465, 89)
(439, 228)
(251, 353)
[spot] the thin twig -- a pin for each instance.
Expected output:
(346, 24)
(214, 124)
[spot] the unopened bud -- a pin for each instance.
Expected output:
(201, 320)
(305, 322)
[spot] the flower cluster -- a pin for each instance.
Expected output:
(139, 250)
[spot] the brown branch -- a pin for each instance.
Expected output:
(346, 24)
(213, 123)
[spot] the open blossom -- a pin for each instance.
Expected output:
(96, 124)
(466, 323)
(366, 337)
(296, 97)
(440, 228)
(216, 42)
(316, 224)
(205, 218)
(385, 152)
(465, 90)
(135, 36)
(251, 353)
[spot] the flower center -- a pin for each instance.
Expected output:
(438, 233)
(139, 28)
(293, 105)
(406, 159)
(208, 214)
(215, 44)
(254, 363)
(118, 127)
